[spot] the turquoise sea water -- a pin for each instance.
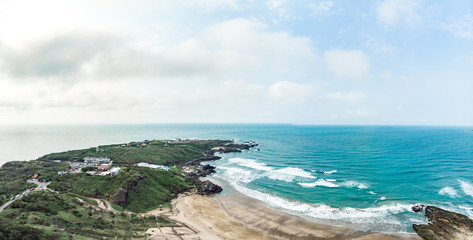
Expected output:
(365, 177)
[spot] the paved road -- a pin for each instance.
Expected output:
(5, 205)
(41, 186)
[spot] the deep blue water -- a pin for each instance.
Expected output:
(366, 177)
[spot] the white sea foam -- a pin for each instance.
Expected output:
(448, 191)
(283, 174)
(377, 218)
(382, 198)
(250, 163)
(288, 174)
(351, 184)
(467, 188)
(468, 210)
(371, 192)
(238, 174)
(330, 180)
(320, 182)
(330, 172)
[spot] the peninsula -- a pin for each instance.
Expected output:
(143, 190)
(102, 192)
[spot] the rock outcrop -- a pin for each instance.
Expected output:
(444, 225)
(121, 194)
(207, 188)
(196, 170)
(197, 161)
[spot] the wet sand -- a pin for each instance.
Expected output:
(236, 216)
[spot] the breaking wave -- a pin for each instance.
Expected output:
(382, 218)
(354, 184)
(448, 191)
(467, 188)
(320, 182)
(287, 174)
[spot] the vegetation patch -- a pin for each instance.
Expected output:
(47, 215)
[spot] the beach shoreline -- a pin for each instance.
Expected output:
(233, 215)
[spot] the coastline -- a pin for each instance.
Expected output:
(233, 215)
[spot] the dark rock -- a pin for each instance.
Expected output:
(418, 208)
(208, 187)
(96, 192)
(120, 197)
(192, 176)
(208, 169)
(444, 225)
(121, 194)
(197, 170)
(197, 161)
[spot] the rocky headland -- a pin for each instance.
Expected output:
(443, 224)
(196, 171)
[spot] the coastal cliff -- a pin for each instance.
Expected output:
(444, 225)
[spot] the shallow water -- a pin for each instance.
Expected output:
(366, 177)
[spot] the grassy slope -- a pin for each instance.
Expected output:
(34, 215)
(156, 153)
(13, 176)
(157, 186)
(48, 215)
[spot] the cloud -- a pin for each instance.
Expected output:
(224, 66)
(275, 6)
(322, 7)
(224, 49)
(209, 5)
(362, 112)
(379, 47)
(290, 92)
(350, 97)
(347, 64)
(61, 55)
(460, 26)
(392, 12)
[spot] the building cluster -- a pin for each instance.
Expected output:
(102, 165)
(97, 160)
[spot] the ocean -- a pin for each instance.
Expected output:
(364, 177)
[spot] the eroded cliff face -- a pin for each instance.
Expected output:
(121, 194)
(445, 225)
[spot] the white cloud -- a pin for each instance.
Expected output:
(222, 49)
(101, 74)
(347, 64)
(276, 6)
(322, 7)
(290, 92)
(379, 46)
(350, 97)
(460, 26)
(392, 12)
(362, 112)
(208, 5)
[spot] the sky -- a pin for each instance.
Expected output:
(385, 62)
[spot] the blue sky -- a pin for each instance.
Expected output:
(393, 62)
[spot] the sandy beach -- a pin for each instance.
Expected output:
(236, 216)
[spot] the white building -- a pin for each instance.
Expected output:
(97, 160)
(115, 170)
